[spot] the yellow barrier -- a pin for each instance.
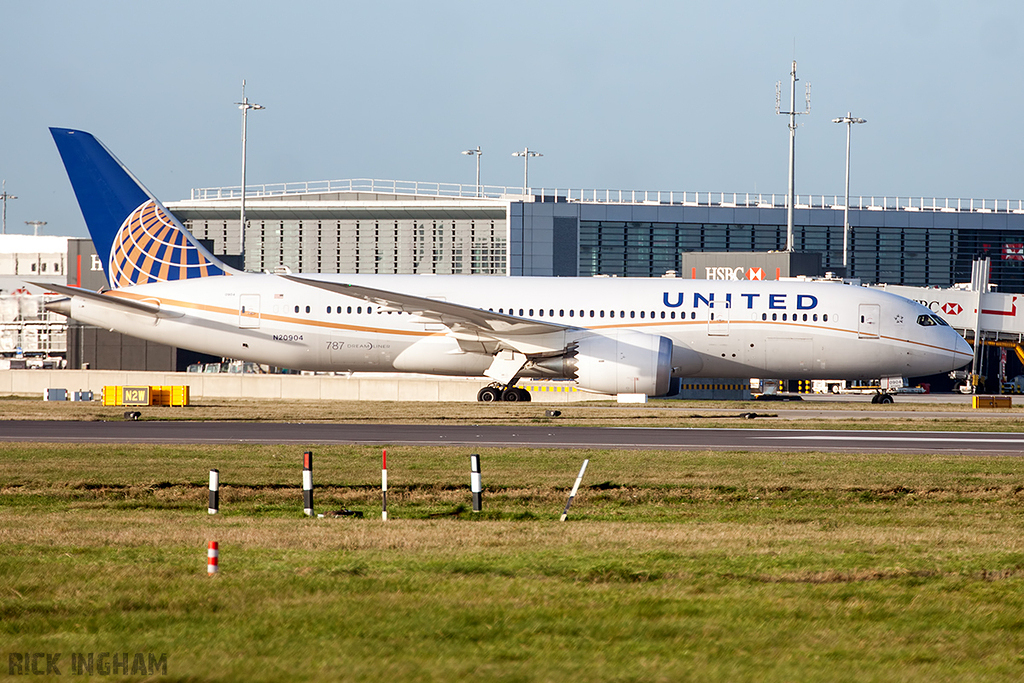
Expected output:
(992, 402)
(116, 395)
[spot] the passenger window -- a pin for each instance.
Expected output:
(632, 314)
(307, 309)
(591, 314)
(359, 309)
(561, 312)
(663, 315)
(296, 309)
(520, 311)
(531, 311)
(328, 309)
(775, 316)
(824, 317)
(551, 312)
(673, 315)
(815, 317)
(571, 312)
(764, 316)
(602, 314)
(349, 309)
(805, 317)
(641, 314)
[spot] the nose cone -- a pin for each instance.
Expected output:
(962, 351)
(62, 306)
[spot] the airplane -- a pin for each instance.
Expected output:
(608, 335)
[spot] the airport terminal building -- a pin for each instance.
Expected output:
(372, 226)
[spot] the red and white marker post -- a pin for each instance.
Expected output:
(307, 483)
(384, 486)
(212, 556)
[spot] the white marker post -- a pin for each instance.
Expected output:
(214, 492)
(307, 483)
(384, 486)
(475, 484)
(575, 487)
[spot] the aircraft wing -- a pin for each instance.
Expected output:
(456, 317)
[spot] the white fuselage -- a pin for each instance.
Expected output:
(790, 329)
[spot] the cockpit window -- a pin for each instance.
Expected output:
(926, 320)
(940, 321)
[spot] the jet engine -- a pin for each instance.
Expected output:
(613, 362)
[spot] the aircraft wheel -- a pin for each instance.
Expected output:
(886, 399)
(511, 395)
(874, 399)
(488, 395)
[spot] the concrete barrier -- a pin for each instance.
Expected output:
(368, 387)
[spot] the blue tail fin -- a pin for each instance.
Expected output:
(137, 239)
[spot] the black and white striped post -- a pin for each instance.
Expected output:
(475, 484)
(575, 487)
(307, 483)
(214, 492)
(384, 486)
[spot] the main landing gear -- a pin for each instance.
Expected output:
(884, 399)
(501, 392)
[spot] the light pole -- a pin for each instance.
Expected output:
(477, 153)
(526, 154)
(792, 114)
(5, 197)
(245, 105)
(849, 120)
(35, 226)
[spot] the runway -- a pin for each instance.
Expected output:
(531, 436)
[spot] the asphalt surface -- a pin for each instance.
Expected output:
(539, 436)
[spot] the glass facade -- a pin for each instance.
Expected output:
(936, 256)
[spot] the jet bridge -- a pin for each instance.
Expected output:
(983, 316)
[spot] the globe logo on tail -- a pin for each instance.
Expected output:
(151, 246)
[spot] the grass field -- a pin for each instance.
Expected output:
(673, 566)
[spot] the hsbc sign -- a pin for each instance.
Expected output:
(726, 273)
(950, 308)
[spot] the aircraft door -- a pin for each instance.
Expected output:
(248, 311)
(718, 318)
(867, 325)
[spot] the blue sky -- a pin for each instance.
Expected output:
(642, 95)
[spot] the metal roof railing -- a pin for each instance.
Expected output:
(650, 197)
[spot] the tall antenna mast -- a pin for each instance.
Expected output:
(792, 114)
(5, 197)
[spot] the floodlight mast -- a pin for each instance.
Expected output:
(849, 120)
(477, 153)
(245, 105)
(526, 153)
(35, 226)
(792, 113)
